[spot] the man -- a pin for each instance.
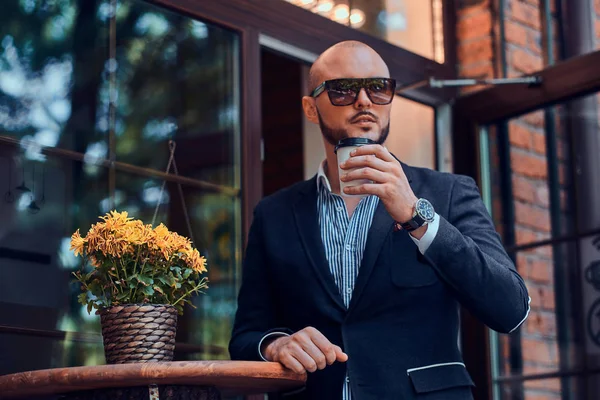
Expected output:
(363, 293)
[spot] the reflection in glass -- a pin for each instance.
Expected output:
(176, 79)
(538, 334)
(51, 65)
(532, 162)
(416, 25)
(37, 245)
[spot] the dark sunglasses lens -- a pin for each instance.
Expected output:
(381, 91)
(342, 92)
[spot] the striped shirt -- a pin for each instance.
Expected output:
(344, 239)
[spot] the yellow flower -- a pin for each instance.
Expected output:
(77, 243)
(195, 261)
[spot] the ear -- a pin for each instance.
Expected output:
(310, 109)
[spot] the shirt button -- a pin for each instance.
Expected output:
(347, 379)
(349, 290)
(348, 247)
(339, 209)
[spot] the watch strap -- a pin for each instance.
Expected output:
(414, 223)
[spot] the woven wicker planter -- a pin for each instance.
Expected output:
(138, 333)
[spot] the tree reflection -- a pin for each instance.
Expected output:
(176, 78)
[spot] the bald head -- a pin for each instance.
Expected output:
(349, 59)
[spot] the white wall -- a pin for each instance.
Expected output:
(412, 133)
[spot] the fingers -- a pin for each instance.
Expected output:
(293, 356)
(288, 361)
(367, 173)
(308, 350)
(339, 354)
(375, 149)
(308, 363)
(324, 346)
(368, 160)
(376, 189)
(317, 354)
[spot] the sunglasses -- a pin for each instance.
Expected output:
(344, 91)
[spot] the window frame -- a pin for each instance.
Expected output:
(573, 78)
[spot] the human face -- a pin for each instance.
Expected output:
(363, 117)
(333, 136)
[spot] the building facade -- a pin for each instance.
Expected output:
(188, 113)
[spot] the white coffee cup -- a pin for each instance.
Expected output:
(343, 150)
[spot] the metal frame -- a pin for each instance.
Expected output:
(575, 77)
(129, 168)
(578, 76)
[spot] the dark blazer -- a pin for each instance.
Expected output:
(401, 329)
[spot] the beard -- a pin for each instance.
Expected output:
(333, 136)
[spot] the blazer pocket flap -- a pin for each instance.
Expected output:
(439, 376)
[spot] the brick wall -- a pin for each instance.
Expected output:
(475, 48)
(478, 47)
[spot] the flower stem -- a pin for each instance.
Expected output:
(137, 258)
(196, 288)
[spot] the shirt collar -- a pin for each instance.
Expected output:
(321, 177)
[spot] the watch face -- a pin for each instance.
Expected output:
(425, 210)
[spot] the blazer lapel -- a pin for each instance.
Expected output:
(306, 218)
(381, 227)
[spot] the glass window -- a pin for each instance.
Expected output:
(416, 25)
(177, 78)
(543, 196)
(171, 78)
(52, 64)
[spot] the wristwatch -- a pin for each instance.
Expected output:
(423, 214)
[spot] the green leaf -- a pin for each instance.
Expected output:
(177, 270)
(144, 280)
(82, 298)
(148, 290)
(167, 280)
(95, 287)
(187, 273)
(89, 308)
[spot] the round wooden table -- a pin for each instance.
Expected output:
(168, 380)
